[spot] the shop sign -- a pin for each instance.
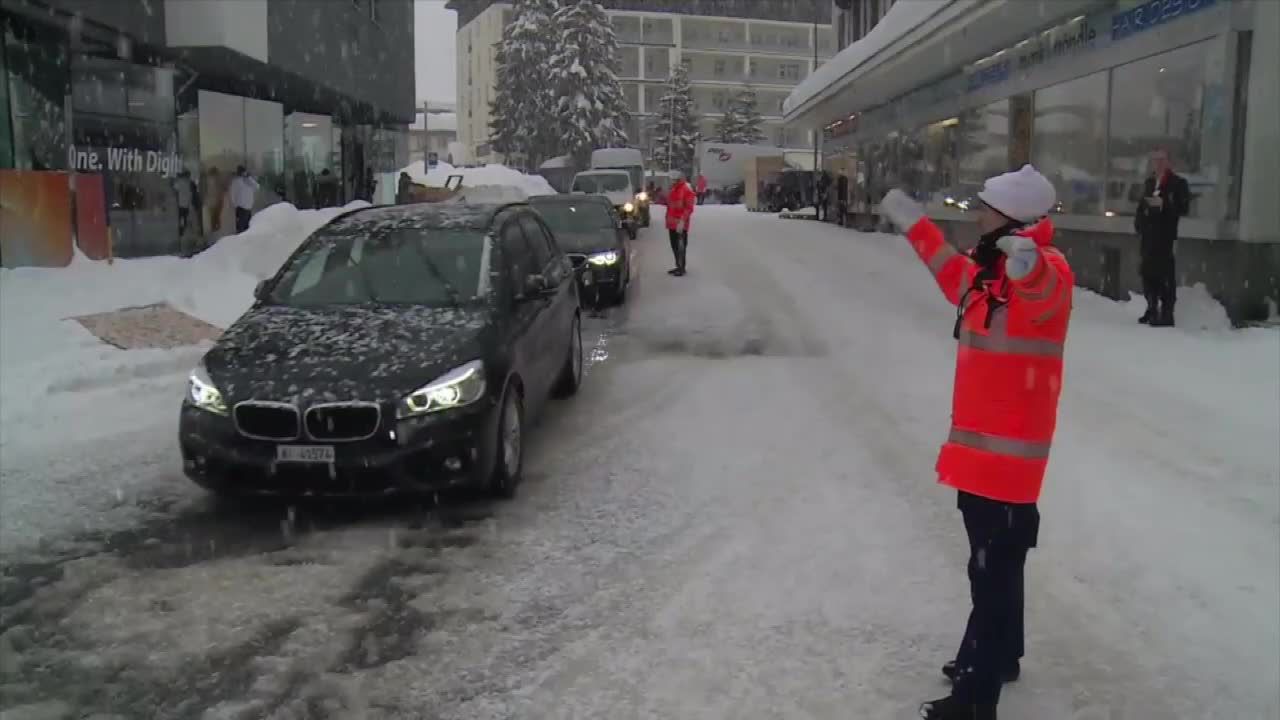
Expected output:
(1068, 39)
(1150, 14)
(113, 159)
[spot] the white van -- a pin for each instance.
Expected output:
(615, 185)
(632, 161)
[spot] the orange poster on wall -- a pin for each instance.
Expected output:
(91, 216)
(35, 218)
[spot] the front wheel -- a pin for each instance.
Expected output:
(508, 466)
(631, 230)
(571, 372)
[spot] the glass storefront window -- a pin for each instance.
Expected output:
(6, 133)
(1069, 141)
(1173, 100)
(37, 63)
(984, 146)
(308, 152)
(928, 158)
(264, 148)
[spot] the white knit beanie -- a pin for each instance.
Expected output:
(1024, 195)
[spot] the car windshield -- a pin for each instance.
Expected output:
(410, 266)
(609, 182)
(567, 219)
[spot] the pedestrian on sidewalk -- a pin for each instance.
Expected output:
(702, 188)
(1013, 298)
(679, 214)
(842, 198)
(185, 190)
(1165, 199)
(244, 190)
(820, 201)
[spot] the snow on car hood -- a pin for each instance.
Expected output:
(307, 355)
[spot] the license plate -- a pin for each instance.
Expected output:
(304, 453)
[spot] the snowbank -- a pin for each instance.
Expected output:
(488, 176)
(42, 347)
(900, 19)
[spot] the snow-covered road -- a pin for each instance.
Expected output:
(736, 518)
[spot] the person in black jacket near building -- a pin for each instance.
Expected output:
(1165, 199)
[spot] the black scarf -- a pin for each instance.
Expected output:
(987, 256)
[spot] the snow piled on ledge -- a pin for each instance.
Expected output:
(476, 177)
(900, 19)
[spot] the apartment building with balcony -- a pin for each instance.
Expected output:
(725, 44)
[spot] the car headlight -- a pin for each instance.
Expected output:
(628, 207)
(643, 197)
(604, 258)
(460, 386)
(202, 393)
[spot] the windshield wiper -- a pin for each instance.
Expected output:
(454, 296)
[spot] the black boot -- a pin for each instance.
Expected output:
(1153, 310)
(1010, 673)
(949, 708)
(1164, 319)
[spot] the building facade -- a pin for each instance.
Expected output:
(434, 132)
(771, 46)
(853, 19)
(126, 119)
(1085, 90)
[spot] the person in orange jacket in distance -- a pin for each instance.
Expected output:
(679, 214)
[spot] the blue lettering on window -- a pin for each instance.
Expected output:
(1150, 14)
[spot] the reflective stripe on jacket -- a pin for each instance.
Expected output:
(1008, 366)
(680, 205)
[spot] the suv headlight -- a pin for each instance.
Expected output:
(202, 393)
(604, 258)
(460, 386)
(643, 196)
(628, 207)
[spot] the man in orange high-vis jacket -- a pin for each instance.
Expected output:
(1013, 298)
(680, 204)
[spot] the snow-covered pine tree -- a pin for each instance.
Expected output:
(522, 112)
(592, 111)
(746, 111)
(728, 127)
(675, 130)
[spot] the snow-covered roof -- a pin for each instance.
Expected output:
(901, 19)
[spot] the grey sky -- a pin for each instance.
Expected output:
(434, 56)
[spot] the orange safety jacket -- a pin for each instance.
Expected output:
(1008, 365)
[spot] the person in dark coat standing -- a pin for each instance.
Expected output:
(842, 199)
(1165, 199)
(404, 189)
(820, 199)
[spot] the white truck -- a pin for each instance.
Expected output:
(724, 165)
(632, 161)
(615, 185)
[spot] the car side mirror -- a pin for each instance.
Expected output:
(260, 290)
(535, 287)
